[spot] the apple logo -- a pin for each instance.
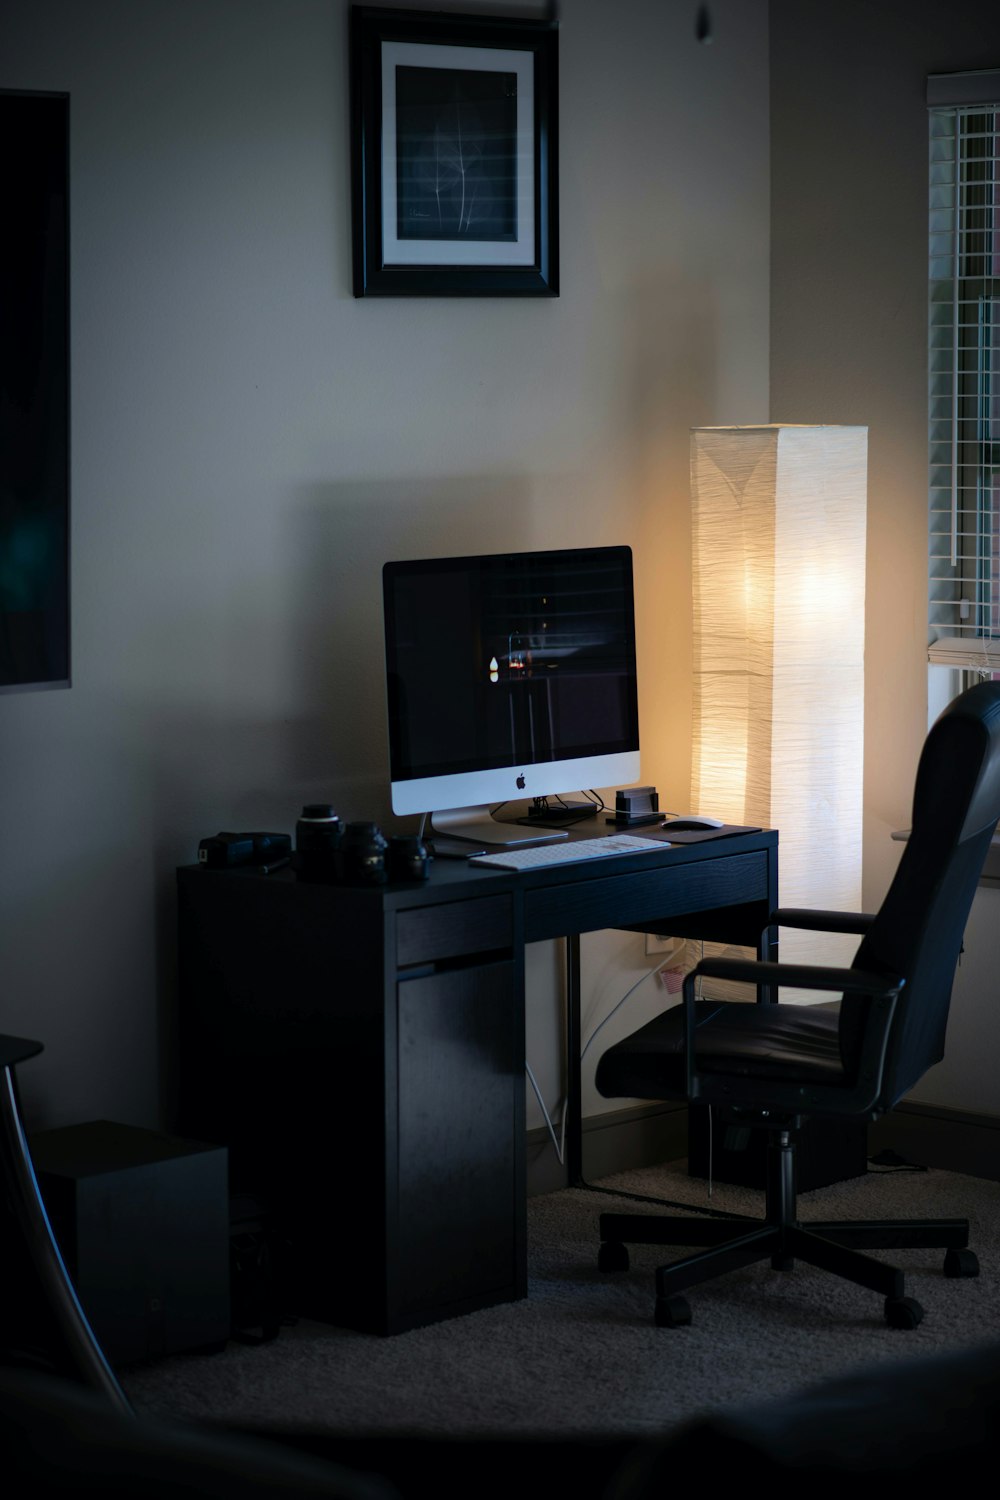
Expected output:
(520, 783)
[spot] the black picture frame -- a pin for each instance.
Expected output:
(454, 154)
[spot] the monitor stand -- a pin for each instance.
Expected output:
(474, 825)
(545, 814)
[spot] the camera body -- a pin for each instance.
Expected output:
(226, 851)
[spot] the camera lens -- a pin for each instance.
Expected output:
(408, 857)
(363, 854)
(317, 842)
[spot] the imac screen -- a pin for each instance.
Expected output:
(508, 662)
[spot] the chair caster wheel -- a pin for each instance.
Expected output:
(961, 1263)
(902, 1312)
(612, 1256)
(672, 1312)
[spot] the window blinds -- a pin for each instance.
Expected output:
(964, 370)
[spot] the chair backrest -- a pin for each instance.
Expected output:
(918, 931)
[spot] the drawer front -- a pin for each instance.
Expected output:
(454, 929)
(628, 900)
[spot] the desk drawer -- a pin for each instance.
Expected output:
(629, 900)
(454, 929)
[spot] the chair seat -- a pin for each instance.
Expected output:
(797, 1042)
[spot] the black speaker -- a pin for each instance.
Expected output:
(827, 1151)
(142, 1220)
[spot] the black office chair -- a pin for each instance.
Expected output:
(775, 1065)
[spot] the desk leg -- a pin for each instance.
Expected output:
(767, 952)
(574, 1070)
(574, 1085)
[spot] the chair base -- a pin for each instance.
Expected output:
(837, 1246)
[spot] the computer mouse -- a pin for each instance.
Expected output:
(692, 824)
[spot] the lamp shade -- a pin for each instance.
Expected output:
(778, 536)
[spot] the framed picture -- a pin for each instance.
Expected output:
(454, 155)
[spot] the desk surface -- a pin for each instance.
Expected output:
(453, 877)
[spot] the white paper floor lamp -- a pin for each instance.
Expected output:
(778, 535)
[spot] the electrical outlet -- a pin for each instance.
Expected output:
(657, 944)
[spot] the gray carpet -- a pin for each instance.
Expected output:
(581, 1355)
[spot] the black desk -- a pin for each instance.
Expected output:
(361, 1054)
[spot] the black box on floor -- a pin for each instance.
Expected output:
(827, 1151)
(142, 1220)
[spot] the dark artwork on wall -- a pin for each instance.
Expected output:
(34, 391)
(456, 164)
(454, 154)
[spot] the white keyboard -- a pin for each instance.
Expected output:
(539, 856)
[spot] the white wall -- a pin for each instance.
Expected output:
(249, 444)
(849, 344)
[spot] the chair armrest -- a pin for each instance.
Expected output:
(799, 976)
(822, 921)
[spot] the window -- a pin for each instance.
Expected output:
(964, 371)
